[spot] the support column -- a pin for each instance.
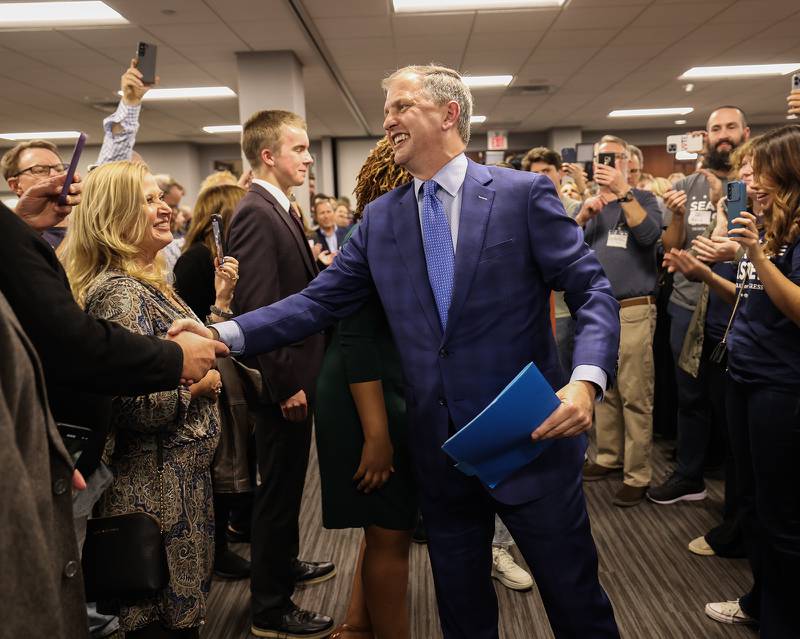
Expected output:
(272, 80)
(325, 178)
(562, 137)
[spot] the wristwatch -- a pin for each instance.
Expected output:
(628, 197)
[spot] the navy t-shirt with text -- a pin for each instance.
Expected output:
(764, 344)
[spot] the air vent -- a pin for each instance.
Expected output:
(530, 90)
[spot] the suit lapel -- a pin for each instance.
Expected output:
(476, 205)
(405, 223)
(294, 226)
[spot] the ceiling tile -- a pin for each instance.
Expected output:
(596, 17)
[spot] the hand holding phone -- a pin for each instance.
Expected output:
(73, 166)
(146, 62)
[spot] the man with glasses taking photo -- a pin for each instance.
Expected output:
(622, 225)
(28, 164)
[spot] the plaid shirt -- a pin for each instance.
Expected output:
(120, 133)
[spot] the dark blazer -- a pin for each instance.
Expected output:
(40, 584)
(319, 237)
(515, 245)
(81, 356)
(194, 279)
(275, 261)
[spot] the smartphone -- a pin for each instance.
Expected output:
(73, 165)
(609, 159)
(736, 202)
(686, 143)
(216, 229)
(796, 82)
(569, 155)
(74, 438)
(146, 61)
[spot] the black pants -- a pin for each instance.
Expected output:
(765, 438)
(282, 449)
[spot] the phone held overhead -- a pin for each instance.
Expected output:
(146, 61)
(73, 166)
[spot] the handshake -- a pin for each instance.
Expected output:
(200, 347)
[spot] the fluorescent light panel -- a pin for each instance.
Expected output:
(477, 119)
(40, 135)
(641, 113)
(223, 128)
(426, 6)
(55, 14)
(188, 93)
(482, 81)
(739, 71)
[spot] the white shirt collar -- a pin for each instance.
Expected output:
(450, 177)
(275, 192)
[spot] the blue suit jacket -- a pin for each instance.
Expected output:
(515, 244)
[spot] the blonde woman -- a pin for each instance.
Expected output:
(111, 257)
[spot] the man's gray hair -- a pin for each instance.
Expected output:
(441, 85)
(612, 139)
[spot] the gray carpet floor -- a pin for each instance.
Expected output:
(658, 588)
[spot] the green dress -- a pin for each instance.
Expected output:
(362, 350)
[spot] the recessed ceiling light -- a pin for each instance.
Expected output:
(680, 121)
(477, 119)
(481, 81)
(685, 155)
(688, 87)
(426, 6)
(739, 71)
(223, 128)
(639, 113)
(188, 93)
(40, 135)
(56, 14)
(791, 116)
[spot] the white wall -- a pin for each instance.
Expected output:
(350, 156)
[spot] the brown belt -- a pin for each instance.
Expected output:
(637, 301)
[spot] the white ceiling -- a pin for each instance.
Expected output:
(597, 55)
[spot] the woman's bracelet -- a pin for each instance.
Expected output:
(215, 310)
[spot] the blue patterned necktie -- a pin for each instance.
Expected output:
(439, 254)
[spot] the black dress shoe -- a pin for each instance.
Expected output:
(312, 572)
(229, 565)
(237, 536)
(292, 624)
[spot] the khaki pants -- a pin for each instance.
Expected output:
(624, 420)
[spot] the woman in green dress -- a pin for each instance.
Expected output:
(362, 444)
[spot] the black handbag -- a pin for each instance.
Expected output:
(124, 555)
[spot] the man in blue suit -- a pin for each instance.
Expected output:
(464, 259)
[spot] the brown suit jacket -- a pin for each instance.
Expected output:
(41, 585)
(275, 261)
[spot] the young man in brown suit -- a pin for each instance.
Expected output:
(275, 260)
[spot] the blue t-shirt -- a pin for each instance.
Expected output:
(719, 311)
(764, 344)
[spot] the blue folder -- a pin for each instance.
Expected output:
(498, 441)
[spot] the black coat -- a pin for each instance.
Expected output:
(194, 279)
(275, 261)
(85, 361)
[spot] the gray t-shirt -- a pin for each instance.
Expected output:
(699, 213)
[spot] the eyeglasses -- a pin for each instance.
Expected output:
(42, 170)
(618, 156)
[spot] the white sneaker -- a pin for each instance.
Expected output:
(506, 570)
(728, 612)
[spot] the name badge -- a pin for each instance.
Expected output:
(700, 218)
(617, 238)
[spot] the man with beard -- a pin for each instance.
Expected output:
(692, 204)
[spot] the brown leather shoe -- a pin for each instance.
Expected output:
(346, 631)
(629, 495)
(595, 472)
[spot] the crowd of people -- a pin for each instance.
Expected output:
(200, 365)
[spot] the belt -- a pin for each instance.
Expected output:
(637, 301)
